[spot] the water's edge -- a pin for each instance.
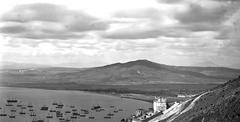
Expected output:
(124, 96)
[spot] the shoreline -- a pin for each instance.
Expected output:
(124, 96)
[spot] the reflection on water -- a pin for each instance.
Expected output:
(26, 105)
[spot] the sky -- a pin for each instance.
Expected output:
(87, 33)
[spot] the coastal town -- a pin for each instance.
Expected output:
(160, 110)
(159, 106)
(16, 108)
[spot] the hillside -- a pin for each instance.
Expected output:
(221, 104)
(130, 73)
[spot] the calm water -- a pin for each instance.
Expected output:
(81, 100)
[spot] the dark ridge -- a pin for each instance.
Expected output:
(142, 62)
(157, 66)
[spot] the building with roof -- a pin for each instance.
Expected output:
(159, 104)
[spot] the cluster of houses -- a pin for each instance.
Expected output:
(159, 106)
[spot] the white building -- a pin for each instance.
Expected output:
(185, 95)
(159, 104)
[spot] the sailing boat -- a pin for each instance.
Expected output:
(12, 100)
(3, 113)
(22, 112)
(11, 115)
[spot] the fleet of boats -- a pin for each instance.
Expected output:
(56, 110)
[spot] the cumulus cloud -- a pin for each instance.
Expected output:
(231, 28)
(198, 14)
(169, 1)
(190, 16)
(136, 45)
(228, 0)
(35, 12)
(149, 13)
(48, 21)
(13, 29)
(149, 33)
(140, 24)
(140, 34)
(176, 31)
(231, 34)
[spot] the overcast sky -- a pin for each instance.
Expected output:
(86, 33)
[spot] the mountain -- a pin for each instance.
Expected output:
(130, 73)
(147, 72)
(220, 104)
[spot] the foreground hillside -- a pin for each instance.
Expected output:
(221, 104)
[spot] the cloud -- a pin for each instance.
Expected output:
(231, 29)
(154, 32)
(48, 21)
(35, 12)
(177, 32)
(228, 0)
(198, 14)
(206, 15)
(142, 23)
(39, 30)
(169, 1)
(198, 27)
(202, 15)
(177, 18)
(147, 13)
(144, 34)
(136, 45)
(13, 29)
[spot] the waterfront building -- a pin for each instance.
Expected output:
(159, 104)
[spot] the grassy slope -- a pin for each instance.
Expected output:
(221, 104)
